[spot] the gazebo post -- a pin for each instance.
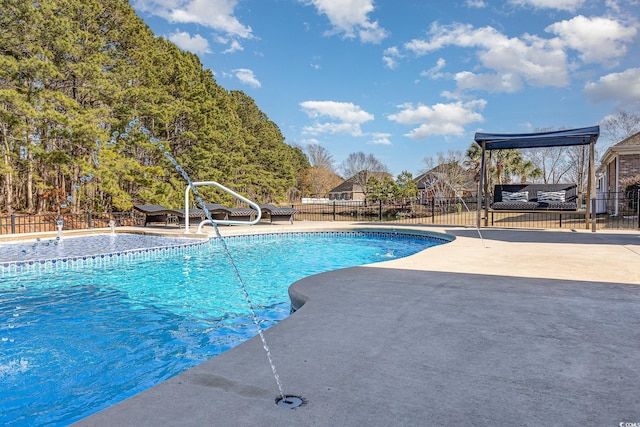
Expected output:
(587, 216)
(480, 185)
(487, 173)
(591, 207)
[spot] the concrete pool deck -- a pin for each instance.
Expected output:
(521, 327)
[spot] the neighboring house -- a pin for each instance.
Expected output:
(446, 181)
(620, 163)
(352, 190)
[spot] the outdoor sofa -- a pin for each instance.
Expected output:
(535, 197)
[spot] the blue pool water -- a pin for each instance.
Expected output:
(38, 250)
(75, 340)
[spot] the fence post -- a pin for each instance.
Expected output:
(380, 210)
(334, 210)
(89, 222)
(638, 207)
(13, 223)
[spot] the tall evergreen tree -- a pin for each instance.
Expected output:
(73, 72)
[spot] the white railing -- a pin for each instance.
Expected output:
(220, 221)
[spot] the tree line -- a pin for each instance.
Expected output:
(75, 73)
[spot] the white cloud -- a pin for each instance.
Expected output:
(622, 88)
(380, 138)
(390, 56)
(344, 111)
(247, 77)
(613, 5)
(507, 64)
(597, 39)
(439, 119)
(463, 35)
(234, 46)
(352, 129)
(351, 18)
(215, 14)
(505, 82)
(390, 62)
(568, 5)
(476, 4)
(196, 44)
(346, 117)
(392, 51)
(509, 61)
(434, 72)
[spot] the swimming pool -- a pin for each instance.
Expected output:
(75, 340)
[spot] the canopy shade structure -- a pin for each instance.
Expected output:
(561, 138)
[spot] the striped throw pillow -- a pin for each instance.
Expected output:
(551, 196)
(516, 196)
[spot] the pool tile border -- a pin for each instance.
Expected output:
(402, 235)
(54, 264)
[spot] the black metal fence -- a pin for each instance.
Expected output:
(613, 211)
(435, 211)
(15, 223)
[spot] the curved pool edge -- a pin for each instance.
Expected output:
(299, 298)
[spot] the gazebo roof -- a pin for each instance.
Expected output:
(501, 141)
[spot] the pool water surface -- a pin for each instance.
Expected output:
(74, 247)
(76, 340)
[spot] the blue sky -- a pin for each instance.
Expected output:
(408, 79)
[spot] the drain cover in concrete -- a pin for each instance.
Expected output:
(289, 402)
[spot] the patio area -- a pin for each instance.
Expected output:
(519, 327)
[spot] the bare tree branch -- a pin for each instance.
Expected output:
(620, 125)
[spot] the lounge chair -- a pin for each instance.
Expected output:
(242, 214)
(278, 214)
(155, 213)
(231, 214)
(161, 214)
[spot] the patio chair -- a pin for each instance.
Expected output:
(278, 214)
(230, 214)
(242, 214)
(155, 213)
(218, 211)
